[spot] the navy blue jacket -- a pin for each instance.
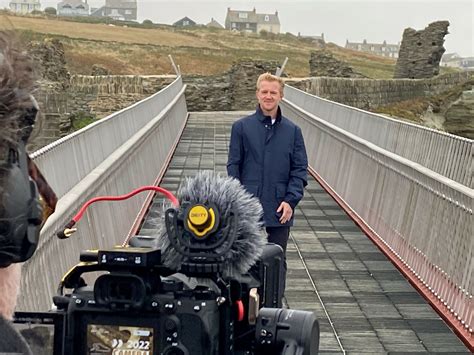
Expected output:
(270, 161)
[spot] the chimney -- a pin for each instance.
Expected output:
(276, 13)
(254, 10)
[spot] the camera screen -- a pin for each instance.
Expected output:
(119, 339)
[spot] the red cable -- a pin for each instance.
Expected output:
(240, 310)
(84, 207)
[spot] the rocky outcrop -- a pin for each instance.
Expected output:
(232, 91)
(323, 63)
(459, 117)
(99, 70)
(421, 51)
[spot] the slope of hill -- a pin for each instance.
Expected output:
(200, 50)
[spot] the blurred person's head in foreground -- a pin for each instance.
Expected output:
(21, 212)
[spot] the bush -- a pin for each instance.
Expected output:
(50, 11)
(81, 119)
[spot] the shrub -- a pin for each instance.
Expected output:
(50, 11)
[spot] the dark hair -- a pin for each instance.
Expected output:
(16, 86)
(17, 82)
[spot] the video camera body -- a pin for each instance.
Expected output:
(184, 295)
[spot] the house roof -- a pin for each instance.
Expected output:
(214, 23)
(73, 3)
(450, 56)
(241, 16)
(121, 4)
(97, 12)
(185, 18)
(271, 19)
(366, 44)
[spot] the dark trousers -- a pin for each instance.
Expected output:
(280, 235)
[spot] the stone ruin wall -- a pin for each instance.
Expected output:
(371, 93)
(96, 96)
(421, 51)
(233, 90)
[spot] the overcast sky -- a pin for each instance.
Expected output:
(355, 20)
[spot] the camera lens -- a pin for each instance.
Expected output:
(285, 328)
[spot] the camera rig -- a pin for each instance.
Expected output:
(140, 305)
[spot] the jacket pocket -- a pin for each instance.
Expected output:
(252, 189)
(280, 191)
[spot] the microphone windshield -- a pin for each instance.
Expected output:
(219, 217)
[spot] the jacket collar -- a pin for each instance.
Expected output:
(267, 119)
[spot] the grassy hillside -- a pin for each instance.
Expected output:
(131, 50)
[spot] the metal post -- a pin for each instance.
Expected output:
(176, 68)
(279, 71)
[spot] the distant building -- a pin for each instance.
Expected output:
(215, 24)
(250, 21)
(467, 63)
(454, 60)
(122, 10)
(25, 6)
(73, 8)
(382, 49)
(451, 60)
(314, 39)
(184, 22)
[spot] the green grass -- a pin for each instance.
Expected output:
(81, 120)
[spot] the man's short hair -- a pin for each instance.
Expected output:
(271, 78)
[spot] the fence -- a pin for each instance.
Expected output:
(387, 172)
(110, 157)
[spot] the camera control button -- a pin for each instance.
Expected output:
(169, 307)
(79, 302)
(197, 308)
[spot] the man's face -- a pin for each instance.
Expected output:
(268, 95)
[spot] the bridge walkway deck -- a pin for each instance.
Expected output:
(363, 303)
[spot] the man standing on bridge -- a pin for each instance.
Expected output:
(268, 156)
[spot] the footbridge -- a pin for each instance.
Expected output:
(382, 249)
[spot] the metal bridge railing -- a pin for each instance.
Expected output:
(423, 217)
(446, 154)
(111, 157)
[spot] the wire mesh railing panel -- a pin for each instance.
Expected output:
(425, 218)
(83, 150)
(444, 153)
(134, 160)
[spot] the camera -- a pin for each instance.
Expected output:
(178, 297)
